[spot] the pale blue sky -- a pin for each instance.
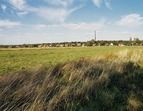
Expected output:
(44, 21)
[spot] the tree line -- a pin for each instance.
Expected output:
(136, 42)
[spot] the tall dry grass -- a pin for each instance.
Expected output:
(110, 83)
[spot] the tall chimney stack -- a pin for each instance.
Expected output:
(95, 35)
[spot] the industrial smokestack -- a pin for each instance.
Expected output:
(95, 36)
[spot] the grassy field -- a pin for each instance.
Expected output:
(87, 79)
(17, 59)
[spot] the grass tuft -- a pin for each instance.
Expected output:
(109, 83)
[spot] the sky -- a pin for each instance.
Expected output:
(47, 21)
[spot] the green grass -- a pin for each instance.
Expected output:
(17, 59)
(113, 82)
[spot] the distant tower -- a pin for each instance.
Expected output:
(132, 36)
(131, 39)
(95, 35)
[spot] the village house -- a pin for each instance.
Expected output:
(66, 45)
(121, 44)
(40, 46)
(83, 45)
(57, 45)
(111, 44)
(79, 44)
(106, 44)
(62, 45)
(73, 45)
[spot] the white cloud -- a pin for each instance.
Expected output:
(131, 20)
(40, 26)
(98, 3)
(85, 26)
(70, 26)
(52, 13)
(108, 4)
(80, 26)
(9, 24)
(22, 13)
(18, 4)
(3, 7)
(63, 3)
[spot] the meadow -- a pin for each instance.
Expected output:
(72, 79)
(17, 59)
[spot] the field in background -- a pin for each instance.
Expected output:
(96, 79)
(17, 59)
